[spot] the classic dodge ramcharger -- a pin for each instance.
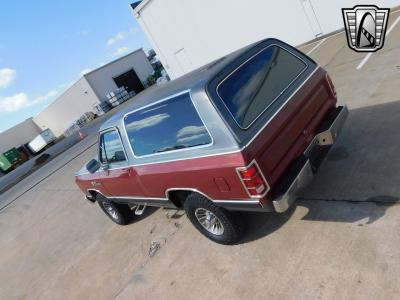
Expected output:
(246, 132)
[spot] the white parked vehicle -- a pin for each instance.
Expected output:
(162, 80)
(41, 141)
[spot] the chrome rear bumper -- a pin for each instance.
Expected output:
(329, 136)
(326, 137)
(304, 178)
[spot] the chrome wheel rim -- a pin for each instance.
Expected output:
(110, 210)
(209, 221)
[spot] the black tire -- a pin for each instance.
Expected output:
(232, 226)
(120, 214)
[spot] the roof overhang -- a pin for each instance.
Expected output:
(138, 8)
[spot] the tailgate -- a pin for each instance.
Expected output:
(272, 98)
(287, 135)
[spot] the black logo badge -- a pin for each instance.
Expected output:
(365, 27)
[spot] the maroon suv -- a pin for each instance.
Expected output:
(245, 133)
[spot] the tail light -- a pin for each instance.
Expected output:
(331, 85)
(253, 180)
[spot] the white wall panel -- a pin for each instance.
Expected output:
(187, 34)
(330, 12)
(102, 81)
(70, 106)
(18, 135)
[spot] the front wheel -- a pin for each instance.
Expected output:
(118, 213)
(216, 223)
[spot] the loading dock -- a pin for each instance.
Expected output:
(130, 81)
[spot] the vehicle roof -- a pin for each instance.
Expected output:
(195, 79)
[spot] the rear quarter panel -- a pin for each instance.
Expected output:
(197, 173)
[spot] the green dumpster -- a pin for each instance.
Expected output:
(13, 156)
(5, 165)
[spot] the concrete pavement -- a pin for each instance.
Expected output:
(90, 130)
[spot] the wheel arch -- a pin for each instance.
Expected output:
(178, 195)
(92, 194)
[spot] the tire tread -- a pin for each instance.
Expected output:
(124, 211)
(233, 227)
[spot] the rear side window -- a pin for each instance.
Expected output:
(256, 84)
(170, 125)
(111, 149)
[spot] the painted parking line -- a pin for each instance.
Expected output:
(395, 11)
(393, 25)
(316, 46)
(366, 58)
(307, 45)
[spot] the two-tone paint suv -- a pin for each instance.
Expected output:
(245, 133)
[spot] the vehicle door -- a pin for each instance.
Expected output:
(117, 177)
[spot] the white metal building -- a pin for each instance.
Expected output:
(188, 34)
(18, 135)
(67, 108)
(130, 71)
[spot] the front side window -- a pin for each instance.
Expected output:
(111, 149)
(173, 124)
(256, 84)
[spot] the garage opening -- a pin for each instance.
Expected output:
(130, 81)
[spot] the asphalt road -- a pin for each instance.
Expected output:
(340, 241)
(74, 147)
(25, 185)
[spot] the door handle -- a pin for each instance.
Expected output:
(127, 171)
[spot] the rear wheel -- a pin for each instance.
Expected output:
(118, 213)
(216, 223)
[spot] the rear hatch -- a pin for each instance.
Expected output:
(273, 99)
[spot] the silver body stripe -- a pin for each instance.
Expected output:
(228, 152)
(249, 201)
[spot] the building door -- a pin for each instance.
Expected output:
(183, 61)
(311, 17)
(130, 81)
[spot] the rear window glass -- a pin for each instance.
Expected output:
(256, 84)
(170, 125)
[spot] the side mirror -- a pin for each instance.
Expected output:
(119, 156)
(92, 166)
(104, 166)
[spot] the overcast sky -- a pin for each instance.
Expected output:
(47, 45)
